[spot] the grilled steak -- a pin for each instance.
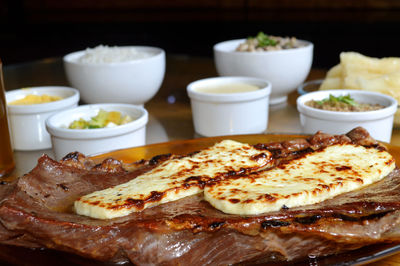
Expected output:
(36, 211)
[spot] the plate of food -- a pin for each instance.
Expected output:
(250, 199)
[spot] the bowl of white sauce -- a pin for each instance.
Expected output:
(229, 105)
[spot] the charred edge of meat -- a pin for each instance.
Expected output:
(216, 225)
(193, 153)
(63, 186)
(262, 146)
(141, 161)
(159, 158)
(307, 219)
(284, 207)
(110, 165)
(362, 218)
(77, 160)
(274, 223)
(361, 136)
(301, 220)
(282, 152)
(258, 156)
(74, 156)
(378, 146)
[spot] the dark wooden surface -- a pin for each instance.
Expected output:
(35, 29)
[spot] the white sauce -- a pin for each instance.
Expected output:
(228, 88)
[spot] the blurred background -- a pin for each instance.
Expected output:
(36, 29)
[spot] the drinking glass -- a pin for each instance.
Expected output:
(6, 153)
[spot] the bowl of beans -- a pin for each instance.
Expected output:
(284, 61)
(338, 111)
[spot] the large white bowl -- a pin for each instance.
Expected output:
(229, 113)
(27, 122)
(285, 69)
(92, 141)
(133, 82)
(379, 123)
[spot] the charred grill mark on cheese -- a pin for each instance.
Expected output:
(139, 204)
(343, 168)
(196, 180)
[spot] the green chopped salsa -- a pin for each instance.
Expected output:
(101, 120)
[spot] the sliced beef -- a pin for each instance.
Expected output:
(36, 211)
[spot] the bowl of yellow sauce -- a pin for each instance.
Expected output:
(35, 99)
(28, 108)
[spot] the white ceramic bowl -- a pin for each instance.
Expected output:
(229, 113)
(92, 141)
(27, 122)
(285, 69)
(379, 123)
(133, 82)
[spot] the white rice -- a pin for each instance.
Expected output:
(105, 54)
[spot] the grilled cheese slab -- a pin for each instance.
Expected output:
(173, 179)
(310, 179)
(238, 179)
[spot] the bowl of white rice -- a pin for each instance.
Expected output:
(119, 74)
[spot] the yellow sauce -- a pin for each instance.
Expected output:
(228, 88)
(35, 99)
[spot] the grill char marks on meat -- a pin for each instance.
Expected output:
(35, 211)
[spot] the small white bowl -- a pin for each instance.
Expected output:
(27, 122)
(132, 82)
(92, 141)
(229, 113)
(379, 123)
(285, 69)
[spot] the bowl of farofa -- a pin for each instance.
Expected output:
(338, 111)
(286, 66)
